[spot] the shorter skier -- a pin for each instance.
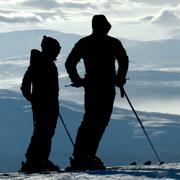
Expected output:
(40, 86)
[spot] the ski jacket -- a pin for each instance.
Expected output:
(40, 81)
(99, 54)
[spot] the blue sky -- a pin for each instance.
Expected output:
(132, 19)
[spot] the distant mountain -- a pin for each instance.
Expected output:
(174, 34)
(163, 51)
(153, 72)
(19, 43)
(151, 87)
(116, 147)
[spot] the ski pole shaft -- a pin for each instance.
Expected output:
(135, 113)
(66, 129)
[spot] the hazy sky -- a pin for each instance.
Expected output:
(133, 19)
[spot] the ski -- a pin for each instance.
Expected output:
(132, 166)
(134, 163)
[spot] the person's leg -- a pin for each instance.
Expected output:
(97, 114)
(34, 148)
(45, 120)
(95, 121)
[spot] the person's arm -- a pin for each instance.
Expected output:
(27, 78)
(26, 84)
(123, 63)
(71, 63)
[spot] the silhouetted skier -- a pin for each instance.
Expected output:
(40, 87)
(99, 52)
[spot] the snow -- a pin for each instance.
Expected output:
(169, 171)
(153, 89)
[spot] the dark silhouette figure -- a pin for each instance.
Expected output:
(99, 52)
(40, 87)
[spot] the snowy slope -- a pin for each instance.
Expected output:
(165, 172)
(153, 72)
(122, 143)
(153, 88)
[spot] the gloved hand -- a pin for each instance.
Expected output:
(121, 91)
(120, 82)
(79, 83)
(26, 94)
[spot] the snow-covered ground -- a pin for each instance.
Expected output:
(165, 172)
(153, 88)
(122, 143)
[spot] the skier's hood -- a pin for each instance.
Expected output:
(100, 25)
(50, 47)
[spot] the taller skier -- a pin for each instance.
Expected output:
(99, 52)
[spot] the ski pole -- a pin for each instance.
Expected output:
(149, 140)
(65, 127)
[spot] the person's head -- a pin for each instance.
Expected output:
(50, 47)
(100, 25)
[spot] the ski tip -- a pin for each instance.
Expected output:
(160, 163)
(133, 163)
(147, 163)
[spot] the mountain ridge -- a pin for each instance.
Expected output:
(21, 42)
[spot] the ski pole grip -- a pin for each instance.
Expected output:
(122, 91)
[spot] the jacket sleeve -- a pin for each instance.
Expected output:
(26, 84)
(71, 63)
(123, 63)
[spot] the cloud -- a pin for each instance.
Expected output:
(54, 9)
(147, 18)
(174, 34)
(53, 4)
(75, 5)
(29, 15)
(111, 3)
(167, 17)
(42, 4)
(6, 11)
(20, 18)
(46, 15)
(159, 2)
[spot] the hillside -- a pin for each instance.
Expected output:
(153, 88)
